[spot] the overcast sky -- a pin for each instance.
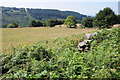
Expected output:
(88, 7)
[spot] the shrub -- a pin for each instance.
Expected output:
(70, 21)
(36, 23)
(13, 25)
(88, 22)
(53, 22)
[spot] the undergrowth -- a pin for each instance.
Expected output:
(60, 58)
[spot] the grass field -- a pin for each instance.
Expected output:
(12, 37)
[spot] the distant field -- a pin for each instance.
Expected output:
(25, 36)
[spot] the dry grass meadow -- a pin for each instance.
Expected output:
(12, 37)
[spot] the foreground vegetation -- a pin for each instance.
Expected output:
(60, 58)
(25, 36)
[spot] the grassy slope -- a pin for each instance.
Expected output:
(24, 36)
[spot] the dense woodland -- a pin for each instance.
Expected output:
(24, 16)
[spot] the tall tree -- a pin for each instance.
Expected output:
(105, 18)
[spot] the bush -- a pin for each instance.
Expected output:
(13, 25)
(53, 22)
(36, 23)
(88, 22)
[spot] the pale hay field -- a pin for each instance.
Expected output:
(13, 37)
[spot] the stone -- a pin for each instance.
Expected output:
(90, 35)
(82, 45)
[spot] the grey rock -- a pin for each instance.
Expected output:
(83, 44)
(90, 35)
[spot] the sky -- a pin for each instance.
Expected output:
(87, 7)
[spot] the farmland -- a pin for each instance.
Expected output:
(24, 36)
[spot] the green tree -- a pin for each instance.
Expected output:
(79, 21)
(53, 22)
(58, 22)
(44, 23)
(70, 21)
(88, 22)
(118, 16)
(13, 25)
(50, 22)
(110, 20)
(36, 23)
(105, 18)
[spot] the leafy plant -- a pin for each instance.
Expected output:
(63, 60)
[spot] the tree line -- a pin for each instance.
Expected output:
(103, 19)
(38, 23)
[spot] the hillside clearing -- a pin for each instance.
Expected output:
(23, 36)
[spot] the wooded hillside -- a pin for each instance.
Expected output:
(23, 16)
